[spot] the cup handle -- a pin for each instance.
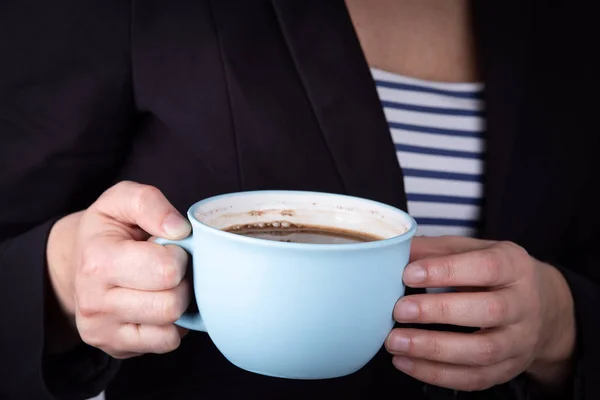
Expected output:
(187, 320)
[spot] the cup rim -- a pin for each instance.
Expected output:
(303, 246)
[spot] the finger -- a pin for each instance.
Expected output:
(479, 309)
(493, 266)
(155, 308)
(147, 338)
(125, 354)
(457, 377)
(134, 265)
(144, 206)
(434, 246)
(482, 348)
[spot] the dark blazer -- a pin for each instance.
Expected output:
(206, 97)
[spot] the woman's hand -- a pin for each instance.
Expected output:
(522, 306)
(122, 291)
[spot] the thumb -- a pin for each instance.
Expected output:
(145, 206)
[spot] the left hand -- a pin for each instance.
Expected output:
(522, 306)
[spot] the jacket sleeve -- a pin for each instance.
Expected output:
(580, 266)
(581, 269)
(65, 118)
(586, 295)
(26, 372)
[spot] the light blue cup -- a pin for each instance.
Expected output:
(296, 310)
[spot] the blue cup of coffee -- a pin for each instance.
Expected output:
(296, 284)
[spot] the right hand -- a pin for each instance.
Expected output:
(122, 291)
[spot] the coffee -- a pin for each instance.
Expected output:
(293, 233)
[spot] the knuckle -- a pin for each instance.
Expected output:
(90, 336)
(476, 381)
(487, 352)
(170, 341)
(91, 262)
(436, 376)
(447, 272)
(91, 339)
(436, 351)
(171, 307)
(125, 185)
(118, 190)
(170, 270)
(512, 248)
(445, 310)
(144, 196)
(88, 306)
(115, 351)
(87, 310)
(490, 263)
(496, 309)
(119, 187)
(169, 275)
(516, 255)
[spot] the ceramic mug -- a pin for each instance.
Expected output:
(296, 310)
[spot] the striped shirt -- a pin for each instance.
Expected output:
(438, 130)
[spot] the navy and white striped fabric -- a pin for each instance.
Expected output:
(438, 130)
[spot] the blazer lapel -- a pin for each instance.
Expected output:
(503, 34)
(531, 181)
(331, 67)
(330, 63)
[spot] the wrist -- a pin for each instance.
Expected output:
(553, 362)
(60, 331)
(59, 258)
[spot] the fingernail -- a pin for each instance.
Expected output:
(406, 311)
(414, 273)
(403, 363)
(176, 226)
(399, 343)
